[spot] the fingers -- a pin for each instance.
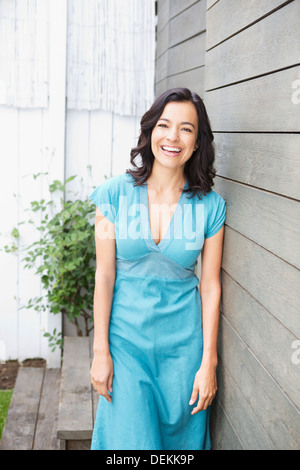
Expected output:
(203, 403)
(194, 395)
(109, 383)
(102, 390)
(102, 387)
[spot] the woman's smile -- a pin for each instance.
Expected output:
(171, 151)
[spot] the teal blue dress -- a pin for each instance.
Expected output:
(155, 333)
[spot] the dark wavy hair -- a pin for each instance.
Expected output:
(199, 169)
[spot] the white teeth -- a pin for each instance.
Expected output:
(171, 149)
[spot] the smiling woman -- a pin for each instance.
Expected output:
(155, 341)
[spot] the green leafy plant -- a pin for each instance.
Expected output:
(55, 339)
(64, 258)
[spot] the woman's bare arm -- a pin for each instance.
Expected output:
(102, 367)
(210, 291)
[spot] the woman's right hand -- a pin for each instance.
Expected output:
(101, 373)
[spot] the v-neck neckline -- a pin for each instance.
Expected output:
(169, 234)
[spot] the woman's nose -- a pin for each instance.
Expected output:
(173, 134)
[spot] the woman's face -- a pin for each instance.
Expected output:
(174, 136)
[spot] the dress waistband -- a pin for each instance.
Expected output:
(154, 264)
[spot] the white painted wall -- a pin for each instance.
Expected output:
(24, 138)
(78, 138)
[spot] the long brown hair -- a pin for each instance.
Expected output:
(199, 169)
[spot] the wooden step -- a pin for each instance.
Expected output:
(77, 401)
(31, 421)
(53, 408)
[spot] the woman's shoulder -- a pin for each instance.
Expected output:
(211, 198)
(215, 197)
(216, 213)
(107, 194)
(116, 183)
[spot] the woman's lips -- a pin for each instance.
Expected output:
(171, 151)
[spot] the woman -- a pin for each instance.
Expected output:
(155, 338)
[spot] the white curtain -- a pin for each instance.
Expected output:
(111, 55)
(24, 53)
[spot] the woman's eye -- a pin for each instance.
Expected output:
(162, 125)
(187, 129)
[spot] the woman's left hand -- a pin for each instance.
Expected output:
(205, 385)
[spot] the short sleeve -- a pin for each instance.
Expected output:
(103, 199)
(216, 218)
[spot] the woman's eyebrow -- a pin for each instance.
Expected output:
(185, 122)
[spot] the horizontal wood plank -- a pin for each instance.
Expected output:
(270, 220)
(260, 105)
(194, 80)
(163, 14)
(270, 280)
(246, 423)
(189, 23)
(78, 445)
(260, 412)
(265, 336)
(238, 16)
(22, 414)
(162, 43)
(264, 47)
(186, 56)
(210, 3)
(222, 433)
(75, 407)
(161, 87)
(178, 6)
(258, 159)
(161, 69)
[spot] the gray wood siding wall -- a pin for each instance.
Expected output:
(243, 58)
(180, 32)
